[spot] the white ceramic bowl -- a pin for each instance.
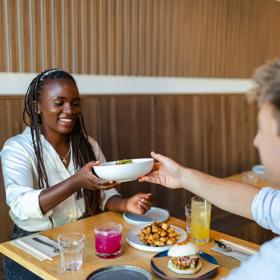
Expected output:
(124, 172)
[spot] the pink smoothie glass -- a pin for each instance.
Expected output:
(108, 240)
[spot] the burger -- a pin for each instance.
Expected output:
(184, 258)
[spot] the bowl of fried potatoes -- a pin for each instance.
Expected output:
(155, 237)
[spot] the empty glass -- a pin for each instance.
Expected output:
(188, 218)
(71, 247)
(250, 178)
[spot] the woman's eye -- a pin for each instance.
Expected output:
(76, 104)
(58, 103)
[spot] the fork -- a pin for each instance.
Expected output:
(227, 248)
(55, 249)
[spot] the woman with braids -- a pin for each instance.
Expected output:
(47, 169)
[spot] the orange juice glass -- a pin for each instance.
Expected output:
(200, 220)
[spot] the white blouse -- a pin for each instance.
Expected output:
(19, 165)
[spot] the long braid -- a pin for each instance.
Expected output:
(82, 149)
(79, 138)
(31, 110)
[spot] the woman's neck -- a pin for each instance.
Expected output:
(60, 142)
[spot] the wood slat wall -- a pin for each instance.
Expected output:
(213, 38)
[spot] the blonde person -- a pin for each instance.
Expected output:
(48, 168)
(242, 199)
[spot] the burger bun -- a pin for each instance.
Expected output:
(181, 250)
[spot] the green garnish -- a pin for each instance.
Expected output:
(123, 161)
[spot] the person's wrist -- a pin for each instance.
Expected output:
(75, 183)
(184, 174)
(124, 205)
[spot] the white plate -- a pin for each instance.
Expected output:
(124, 172)
(154, 214)
(132, 238)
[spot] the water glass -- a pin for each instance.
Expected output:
(250, 177)
(200, 220)
(108, 240)
(188, 218)
(71, 247)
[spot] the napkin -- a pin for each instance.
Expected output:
(237, 255)
(37, 250)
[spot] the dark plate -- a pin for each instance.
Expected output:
(120, 272)
(203, 255)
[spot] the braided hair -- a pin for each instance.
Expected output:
(82, 149)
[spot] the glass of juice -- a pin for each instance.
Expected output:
(108, 240)
(200, 220)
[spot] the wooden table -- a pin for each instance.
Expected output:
(259, 184)
(51, 269)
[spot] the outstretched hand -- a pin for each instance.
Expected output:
(139, 203)
(166, 172)
(88, 180)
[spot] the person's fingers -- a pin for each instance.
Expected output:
(145, 204)
(144, 195)
(108, 187)
(158, 157)
(95, 163)
(153, 174)
(105, 183)
(152, 178)
(148, 194)
(143, 208)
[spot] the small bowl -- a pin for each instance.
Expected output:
(124, 172)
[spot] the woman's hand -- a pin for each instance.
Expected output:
(139, 203)
(87, 179)
(166, 172)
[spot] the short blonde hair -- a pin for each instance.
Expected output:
(267, 86)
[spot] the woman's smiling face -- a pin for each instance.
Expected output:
(59, 107)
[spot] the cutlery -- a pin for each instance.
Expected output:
(248, 250)
(227, 248)
(55, 249)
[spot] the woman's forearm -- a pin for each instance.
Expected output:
(51, 197)
(116, 203)
(232, 196)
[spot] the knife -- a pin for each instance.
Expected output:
(55, 249)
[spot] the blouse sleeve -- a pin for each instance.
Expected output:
(106, 194)
(21, 196)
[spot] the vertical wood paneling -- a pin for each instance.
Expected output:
(13, 35)
(139, 37)
(37, 34)
(3, 34)
(58, 34)
(48, 28)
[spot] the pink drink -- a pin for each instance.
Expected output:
(108, 238)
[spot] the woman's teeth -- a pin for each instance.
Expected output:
(66, 121)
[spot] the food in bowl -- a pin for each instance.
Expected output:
(159, 234)
(123, 161)
(124, 172)
(184, 258)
